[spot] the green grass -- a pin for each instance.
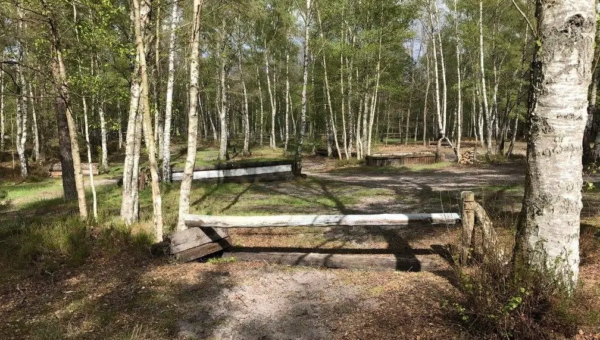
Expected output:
(27, 189)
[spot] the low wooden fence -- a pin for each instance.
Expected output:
(207, 235)
(56, 169)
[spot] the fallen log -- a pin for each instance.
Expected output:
(399, 220)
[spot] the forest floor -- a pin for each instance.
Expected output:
(114, 289)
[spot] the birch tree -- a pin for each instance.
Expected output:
(188, 172)
(548, 229)
(166, 166)
(147, 126)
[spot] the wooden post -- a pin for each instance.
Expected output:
(467, 210)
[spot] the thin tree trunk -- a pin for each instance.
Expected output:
(223, 112)
(245, 108)
(287, 100)
(486, 110)
(272, 99)
(104, 138)
(328, 93)
(36, 134)
(156, 198)
(344, 125)
(166, 165)
(299, 149)
(22, 122)
(120, 125)
(459, 110)
(262, 110)
(188, 172)
(443, 69)
(549, 224)
(2, 127)
(426, 101)
(89, 158)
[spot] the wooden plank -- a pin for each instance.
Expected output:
(203, 250)
(319, 220)
(344, 261)
(194, 237)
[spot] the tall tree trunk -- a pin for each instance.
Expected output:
(299, 149)
(486, 109)
(2, 127)
(129, 185)
(375, 95)
(272, 99)
(104, 138)
(89, 158)
(63, 108)
(36, 133)
(287, 100)
(245, 107)
(188, 172)
(262, 111)
(459, 109)
(443, 69)
(344, 125)
(147, 125)
(548, 229)
(328, 94)
(426, 101)
(166, 165)
(22, 122)
(223, 86)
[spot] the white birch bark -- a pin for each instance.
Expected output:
(147, 126)
(548, 231)
(272, 100)
(104, 137)
(166, 166)
(262, 111)
(2, 126)
(188, 172)
(36, 134)
(287, 100)
(22, 123)
(486, 109)
(459, 109)
(223, 111)
(89, 158)
(305, 45)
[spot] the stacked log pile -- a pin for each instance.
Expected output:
(468, 157)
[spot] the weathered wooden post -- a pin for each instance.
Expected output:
(467, 212)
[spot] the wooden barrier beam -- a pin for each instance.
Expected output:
(319, 220)
(467, 212)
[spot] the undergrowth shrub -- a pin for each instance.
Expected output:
(67, 242)
(49, 246)
(117, 238)
(498, 301)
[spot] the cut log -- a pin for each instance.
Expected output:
(194, 237)
(320, 220)
(343, 261)
(203, 250)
